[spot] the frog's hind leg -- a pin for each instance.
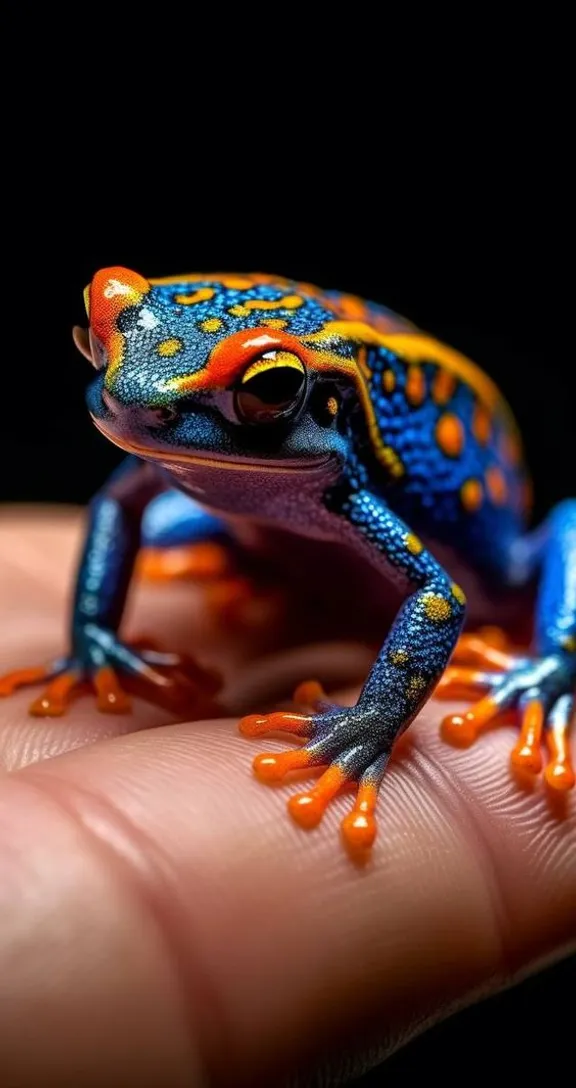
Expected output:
(539, 689)
(182, 540)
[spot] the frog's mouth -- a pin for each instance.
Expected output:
(173, 458)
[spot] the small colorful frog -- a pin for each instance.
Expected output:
(313, 415)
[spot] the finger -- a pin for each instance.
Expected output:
(168, 913)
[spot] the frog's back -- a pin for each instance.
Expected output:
(434, 434)
(443, 448)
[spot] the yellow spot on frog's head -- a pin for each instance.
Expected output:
(168, 348)
(416, 685)
(471, 494)
(332, 406)
(569, 644)
(287, 302)
(399, 657)
(458, 593)
(413, 544)
(276, 323)
(203, 294)
(389, 381)
(212, 324)
(437, 608)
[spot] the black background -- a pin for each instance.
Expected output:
(470, 246)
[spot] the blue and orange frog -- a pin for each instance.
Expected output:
(330, 427)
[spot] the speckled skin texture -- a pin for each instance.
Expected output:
(318, 414)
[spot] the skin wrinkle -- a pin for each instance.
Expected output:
(451, 796)
(132, 863)
(143, 866)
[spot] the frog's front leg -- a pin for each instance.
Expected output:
(98, 659)
(356, 742)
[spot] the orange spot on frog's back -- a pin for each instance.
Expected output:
(450, 434)
(415, 385)
(443, 386)
(472, 494)
(496, 485)
(481, 424)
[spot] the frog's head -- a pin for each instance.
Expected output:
(207, 373)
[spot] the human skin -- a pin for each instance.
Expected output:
(163, 922)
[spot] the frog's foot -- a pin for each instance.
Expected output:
(488, 647)
(238, 604)
(201, 562)
(541, 693)
(112, 670)
(344, 740)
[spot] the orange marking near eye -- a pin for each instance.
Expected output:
(443, 386)
(415, 385)
(359, 827)
(203, 294)
(277, 323)
(307, 809)
(389, 381)
(481, 425)
(450, 435)
(526, 755)
(332, 406)
(471, 494)
(496, 485)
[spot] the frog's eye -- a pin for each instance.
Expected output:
(272, 389)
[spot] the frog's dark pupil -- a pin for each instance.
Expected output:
(272, 395)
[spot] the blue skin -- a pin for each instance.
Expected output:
(316, 474)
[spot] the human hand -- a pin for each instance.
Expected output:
(164, 922)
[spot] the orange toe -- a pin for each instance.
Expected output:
(21, 678)
(111, 699)
(57, 698)
(359, 830)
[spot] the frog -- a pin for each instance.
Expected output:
(259, 412)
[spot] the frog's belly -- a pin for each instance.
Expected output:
(341, 594)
